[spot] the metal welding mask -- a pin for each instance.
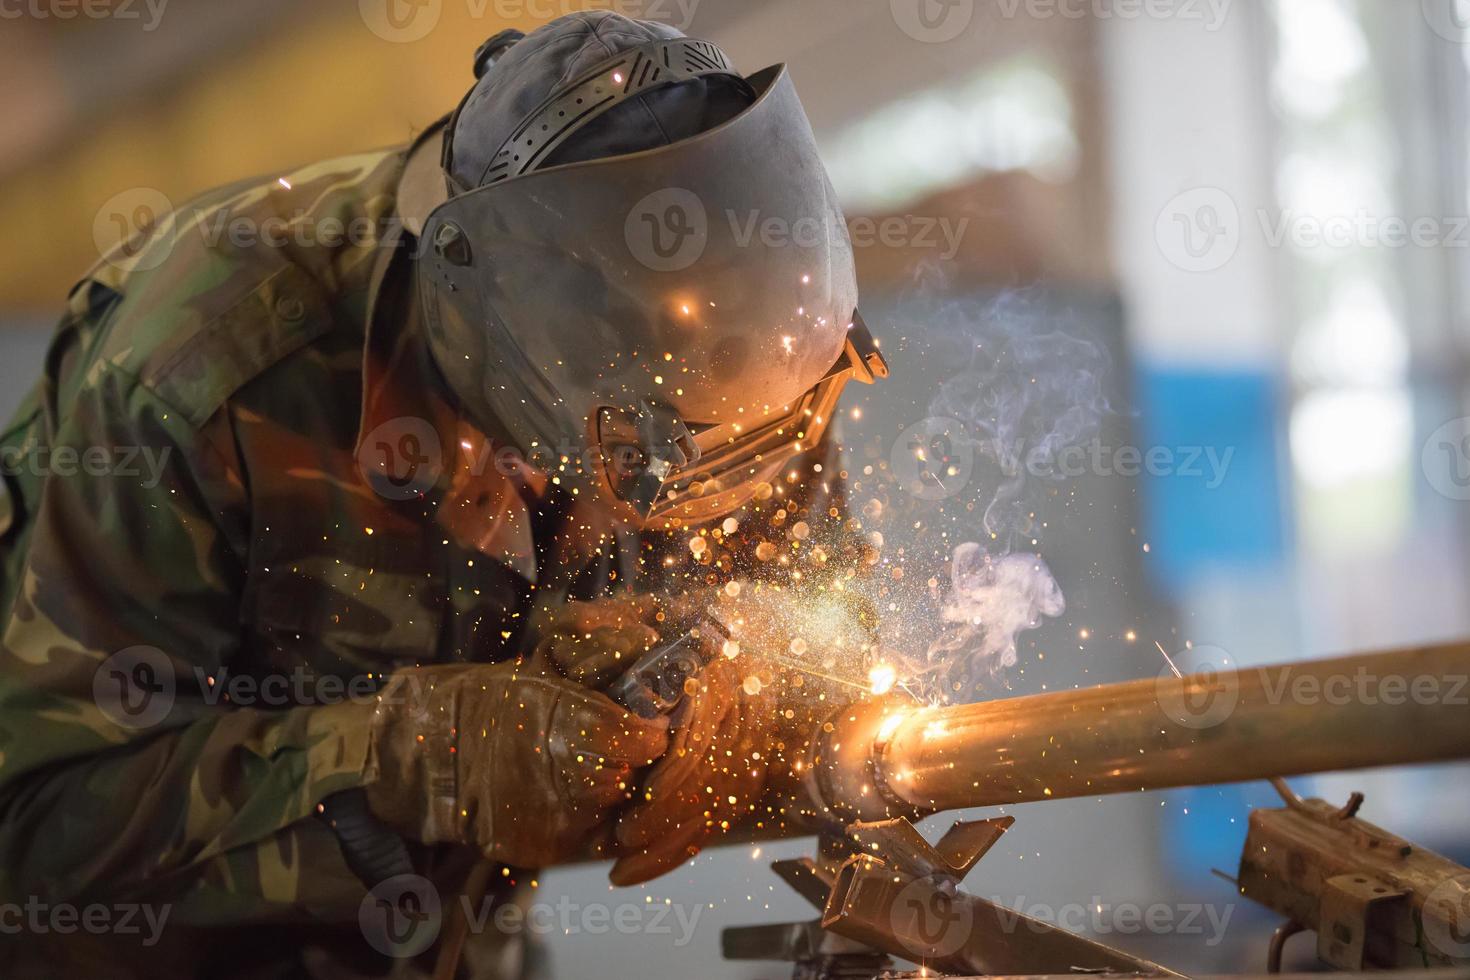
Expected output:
(669, 326)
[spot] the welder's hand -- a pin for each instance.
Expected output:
(594, 642)
(711, 777)
(508, 758)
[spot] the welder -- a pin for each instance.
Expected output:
(457, 458)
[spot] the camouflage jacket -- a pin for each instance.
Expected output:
(199, 555)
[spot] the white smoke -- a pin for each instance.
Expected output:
(990, 602)
(1031, 387)
(1034, 388)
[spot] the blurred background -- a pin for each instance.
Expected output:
(1256, 210)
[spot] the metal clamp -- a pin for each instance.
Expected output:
(897, 894)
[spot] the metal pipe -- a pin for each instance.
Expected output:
(880, 760)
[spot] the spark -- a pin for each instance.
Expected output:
(787, 342)
(284, 182)
(810, 671)
(1168, 659)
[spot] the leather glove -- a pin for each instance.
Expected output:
(508, 758)
(594, 642)
(712, 776)
(726, 734)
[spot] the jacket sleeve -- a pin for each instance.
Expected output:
(120, 773)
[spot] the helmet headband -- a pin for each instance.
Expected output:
(621, 78)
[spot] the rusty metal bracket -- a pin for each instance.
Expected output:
(894, 894)
(799, 942)
(899, 843)
(817, 953)
(900, 894)
(807, 878)
(930, 922)
(1347, 903)
(1374, 899)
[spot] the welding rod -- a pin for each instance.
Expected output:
(879, 760)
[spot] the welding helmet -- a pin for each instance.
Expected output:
(669, 326)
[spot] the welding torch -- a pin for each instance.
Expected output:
(656, 682)
(652, 687)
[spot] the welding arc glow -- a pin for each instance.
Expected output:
(882, 678)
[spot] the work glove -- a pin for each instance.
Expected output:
(595, 642)
(718, 747)
(733, 721)
(712, 776)
(513, 759)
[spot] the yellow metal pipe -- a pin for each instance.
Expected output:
(879, 760)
